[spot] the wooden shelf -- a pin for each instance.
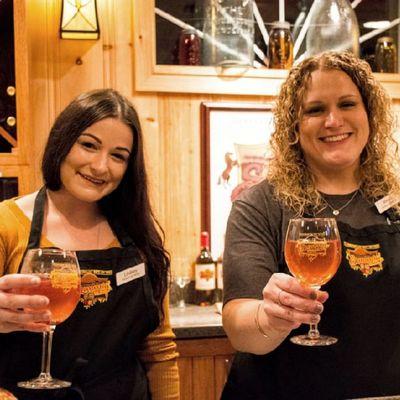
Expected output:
(150, 77)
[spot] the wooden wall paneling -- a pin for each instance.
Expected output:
(21, 81)
(32, 82)
(106, 9)
(180, 135)
(43, 56)
(80, 68)
(143, 38)
(185, 366)
(147, 108)
(203, 388)
(24, 179)
(22, 155)
(180, 131)
(123, 55)
(221, 369)
(204, 361)
(81, 63)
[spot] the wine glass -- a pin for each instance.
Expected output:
(59, 274)
(313, 254)
(181, 282)
(181, 279)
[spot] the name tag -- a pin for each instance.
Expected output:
(130, 274)
(387, 202)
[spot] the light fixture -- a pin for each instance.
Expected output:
(79, 20)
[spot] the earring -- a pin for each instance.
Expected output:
(296, 137)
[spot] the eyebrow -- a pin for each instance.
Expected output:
(345, 96)
(99, 141)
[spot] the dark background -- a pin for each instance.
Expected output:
(7, 72)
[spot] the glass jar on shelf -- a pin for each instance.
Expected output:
(189, 48)
(228, 33)
(332, 26)
(385, 55)
(280, 46)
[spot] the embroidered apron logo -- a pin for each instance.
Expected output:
(64, 280)
(94, 289)
(312, 246)
(366, 259)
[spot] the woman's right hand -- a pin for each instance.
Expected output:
(287, 304)
(22, 312)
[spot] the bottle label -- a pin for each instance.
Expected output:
(220, 282)
(205, 276)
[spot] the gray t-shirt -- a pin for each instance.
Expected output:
(256, 232)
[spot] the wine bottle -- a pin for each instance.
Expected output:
(204, 273)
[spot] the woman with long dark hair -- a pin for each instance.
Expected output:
(118, 343)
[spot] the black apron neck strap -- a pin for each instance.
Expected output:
(120, 232)
(37, 219)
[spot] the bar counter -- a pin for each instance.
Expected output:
(196, 322)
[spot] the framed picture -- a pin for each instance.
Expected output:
(234, 156)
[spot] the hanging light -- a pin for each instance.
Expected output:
(79, 20)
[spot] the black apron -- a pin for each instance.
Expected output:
(95, 348)
(362, 312)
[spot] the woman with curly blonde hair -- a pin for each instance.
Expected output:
(334, 157)
(293, 182)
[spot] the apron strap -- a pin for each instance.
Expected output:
(121, 233)
(37, 219)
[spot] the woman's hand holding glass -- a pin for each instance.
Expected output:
(313, 254)
(59, 281)
(287, 304)
(22, 312)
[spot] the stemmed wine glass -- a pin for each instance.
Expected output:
(181, 279)
(313, 255)
(59, 273)
(181, 282)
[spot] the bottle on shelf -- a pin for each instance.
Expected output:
(385, 55)
(189, 48)
(204, 273)
(280, 46)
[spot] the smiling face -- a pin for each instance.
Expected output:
(334, 126)
(97, 161)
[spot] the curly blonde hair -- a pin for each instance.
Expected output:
(293, 182)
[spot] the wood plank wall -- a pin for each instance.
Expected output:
(61, 69)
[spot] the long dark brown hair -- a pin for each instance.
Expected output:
(129, 203)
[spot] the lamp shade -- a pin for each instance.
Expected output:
(79, 20)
